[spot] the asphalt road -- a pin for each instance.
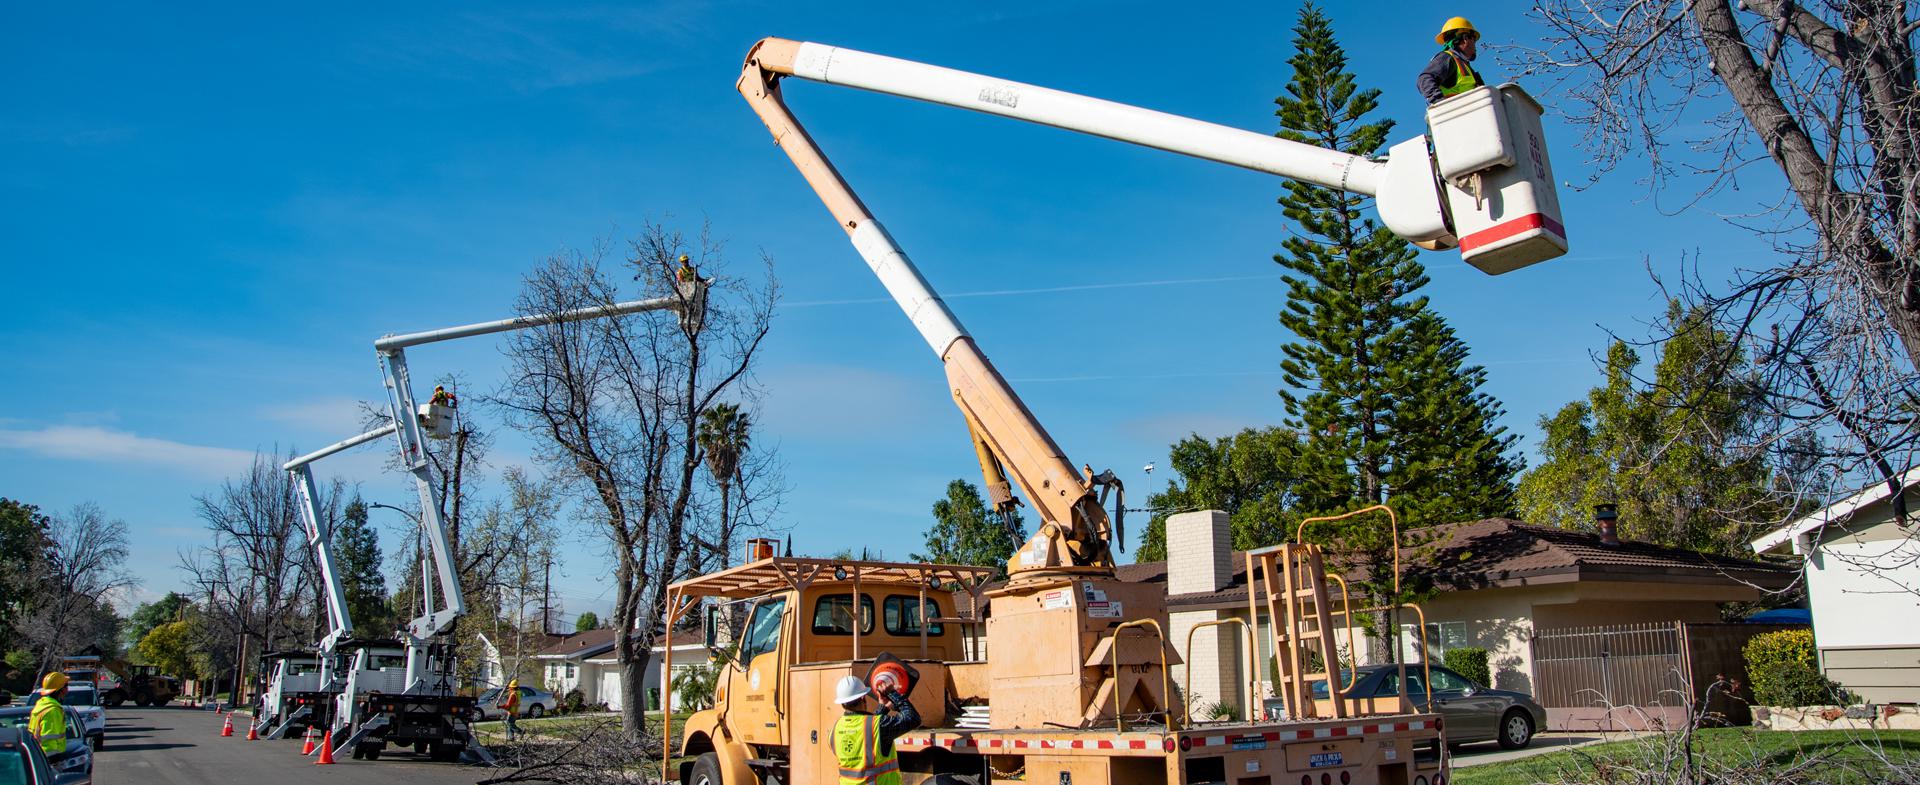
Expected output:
(181, 746)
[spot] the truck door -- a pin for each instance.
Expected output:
(754, 697)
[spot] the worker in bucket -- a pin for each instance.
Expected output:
(686, 273)
(510, 706)
(443, 398)
(48, 721)
(1450, 72)
(864, 742)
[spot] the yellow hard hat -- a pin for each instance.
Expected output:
(1456, 23)
(54, 682)
(684, 259)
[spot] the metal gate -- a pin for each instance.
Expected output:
(1612, 677)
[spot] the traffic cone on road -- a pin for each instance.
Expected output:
(253, 732)
(307, 748)
(227, 729)
(326, 750)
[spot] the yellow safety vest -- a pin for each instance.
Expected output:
(856, 742)
(48, 722)
(1464, 78)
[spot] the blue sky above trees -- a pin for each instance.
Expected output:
(212, 214)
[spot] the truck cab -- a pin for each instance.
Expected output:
(290, 673)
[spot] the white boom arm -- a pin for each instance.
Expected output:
(320, 537)
(689, 299)
(1490, 192)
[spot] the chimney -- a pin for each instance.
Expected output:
(1604, 517)
(1199, 552)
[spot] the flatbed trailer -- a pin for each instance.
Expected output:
(1396, 748)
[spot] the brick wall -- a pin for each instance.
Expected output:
(1199, 546)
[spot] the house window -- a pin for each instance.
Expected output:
(1441, 636)
(833, 615)
(572, 670)
(901, 620)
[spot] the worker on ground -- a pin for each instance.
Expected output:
(686, 273)
(443, 398)
(864, 742)
(510, 705)
(1450, 72)
(48, 721)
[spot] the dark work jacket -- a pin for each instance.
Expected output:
(1439, 74)
(892, 726)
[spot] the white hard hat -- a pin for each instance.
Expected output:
(850, 689)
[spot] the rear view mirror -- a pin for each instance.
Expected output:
(712, 625)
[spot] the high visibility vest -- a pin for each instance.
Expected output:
(1464, 78)
(510, 697)
(856, 742)
(49, 722)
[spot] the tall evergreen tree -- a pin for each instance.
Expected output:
(967, 531)
(1377, 384)
(356, 553)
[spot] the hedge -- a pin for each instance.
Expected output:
(1469, 662)
(1785, 669)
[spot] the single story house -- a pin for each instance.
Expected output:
(1503, 585)
(1862, 567)
(585, 661)
(494, 661)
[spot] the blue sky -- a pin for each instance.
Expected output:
(210, 214)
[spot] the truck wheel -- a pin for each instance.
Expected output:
(114, 698)
(706, 770)
(420, 747)
(373, 752)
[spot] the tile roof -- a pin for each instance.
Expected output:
(1498, 552)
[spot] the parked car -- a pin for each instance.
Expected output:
(85, 700)
(533, 703)
(1473, 712)
(22, 762)
(72, 767)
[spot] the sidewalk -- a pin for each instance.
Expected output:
(1543, 743)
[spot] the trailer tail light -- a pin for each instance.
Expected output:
(1346, 778)
(1326, 778)
(1186, 743)
(1167, 745)
(1306, 779)
(1420, 780)
(1439, 779)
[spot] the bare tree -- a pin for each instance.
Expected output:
(257, 574)
(84, 568)
(1824, 92)
(615, 404)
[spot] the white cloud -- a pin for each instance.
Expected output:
(88, 443)
(343, 416)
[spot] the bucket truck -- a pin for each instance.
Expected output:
(304, 687)
(1081, 692)
(420, 709)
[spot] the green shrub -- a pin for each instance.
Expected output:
(1471, 663)
(1785, 670)
(1222, 710)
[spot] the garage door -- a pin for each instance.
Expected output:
(610, 688)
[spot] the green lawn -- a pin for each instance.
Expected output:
(1733, 754)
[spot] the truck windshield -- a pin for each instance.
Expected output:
(763, 632)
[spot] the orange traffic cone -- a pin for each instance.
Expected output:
(227, 729)
(326, 750)
(307, 748)
(253, 733)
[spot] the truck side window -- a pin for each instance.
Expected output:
(763, 632)
(901, 620)
(833, 615)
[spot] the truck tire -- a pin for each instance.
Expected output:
(113, 698)
(706, 771)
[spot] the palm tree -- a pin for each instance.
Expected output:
(723, 435)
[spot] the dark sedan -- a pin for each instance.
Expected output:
(1473, 713)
